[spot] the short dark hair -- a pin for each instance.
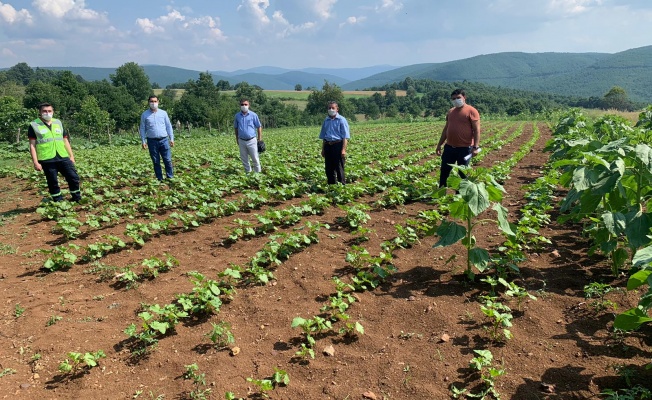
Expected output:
(245, 99)
(458, 91)
(330, 103)
(152, 97)
(41, 105)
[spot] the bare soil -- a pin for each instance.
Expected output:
(421, 327)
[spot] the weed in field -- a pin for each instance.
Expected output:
(199, 380)
(221, 334)
(6, 249)
(77, 362)
(483, 363)
(18, 310)
(7, 371)
(53, 320)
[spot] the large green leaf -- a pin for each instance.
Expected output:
(631, 319)
(614, 222)
(582, 179)
(644, 154)
(479, 258)
(571, 197)
(608, 179)
(639, 278)
(638, 226)
(642, 256)
(503, 223)
(449, 233)
(475, 195)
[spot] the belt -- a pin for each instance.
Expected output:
(246, 140)
(458, 147)
(335, 142)
(158, 138)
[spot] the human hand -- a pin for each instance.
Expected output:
(171, 143)
(438, 150)
(38, 166)
(72, 158)
(144, 145)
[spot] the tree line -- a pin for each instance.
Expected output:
(98, 109)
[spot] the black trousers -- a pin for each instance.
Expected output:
(452, 155)
(66, 167)
(334, 163)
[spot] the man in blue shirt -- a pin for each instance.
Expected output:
(156, 134)
(335, 135)
(248, 131)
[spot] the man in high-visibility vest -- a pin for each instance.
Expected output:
(51, 153)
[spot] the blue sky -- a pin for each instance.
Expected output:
(227, 35)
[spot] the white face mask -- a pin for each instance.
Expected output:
(244, 109)
(458, 102)
(153, 106)
(46, 116)
(332, 112)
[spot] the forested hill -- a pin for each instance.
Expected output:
(572, 74)
(569, 74)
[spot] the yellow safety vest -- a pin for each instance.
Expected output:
(49, 140)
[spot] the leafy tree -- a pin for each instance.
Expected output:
(318, 101)
(92, 120)
(39, 92)
(123, 109)
(10, 88)
(203, 104)
(517, 107)
(373, 111)
(298, 87)
(20, 73)
(252, 92)
(223, 85)
(72, 91)
(617, 99)
(13, 116)
(134, 79)
(274, 114)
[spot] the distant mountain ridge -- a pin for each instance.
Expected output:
(270, 78)
(572, 74)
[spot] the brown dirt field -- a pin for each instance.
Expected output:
(421, 327)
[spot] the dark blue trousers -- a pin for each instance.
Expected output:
(51, 169)
(452, 155)
(160, 149)
(334, 163)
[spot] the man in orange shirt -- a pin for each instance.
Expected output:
(461, 135)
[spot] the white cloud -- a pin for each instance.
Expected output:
(13, 16)
(201, 30)
(257, 9)
(70, 9)
(172, 17)
(147, 26)
(566, 7)
(210, 24)
(353, 21)
(323, 8)
(389, 6)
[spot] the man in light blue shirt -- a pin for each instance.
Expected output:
(248, 131)
(156, 134)
(335, 135)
